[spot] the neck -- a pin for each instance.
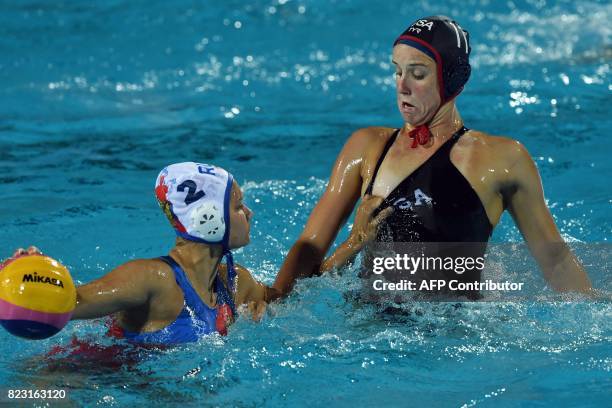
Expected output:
(200, 263)
(445, 122)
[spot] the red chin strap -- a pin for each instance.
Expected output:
(420, 135)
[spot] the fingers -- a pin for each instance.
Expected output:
(257, 310)
(377, 201)
(381, 216)
(260, 310)
(371, 201)
(19, 252)
(368, 204)
(32, 250)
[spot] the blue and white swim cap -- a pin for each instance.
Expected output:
(196, 197)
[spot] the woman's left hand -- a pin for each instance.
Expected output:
(365, 226)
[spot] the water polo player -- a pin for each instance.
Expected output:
(189, 293)
(442, 181)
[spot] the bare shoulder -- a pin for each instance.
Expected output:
(368, 144)
(246, 288)
(138, 277)
(372, 133)
(152, 272)
(502, 150)
(242, 273)
(150, 267)
(483, 140)
(365, 139)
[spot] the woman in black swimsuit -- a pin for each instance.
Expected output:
(433, 180)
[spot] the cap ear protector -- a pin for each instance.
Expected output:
(207, 221)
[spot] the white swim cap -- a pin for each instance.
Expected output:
(195, 197)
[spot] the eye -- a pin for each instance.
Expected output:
(418, 73)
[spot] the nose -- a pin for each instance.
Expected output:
(402, 85)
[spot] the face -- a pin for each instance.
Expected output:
(240, 216)
(416, 82)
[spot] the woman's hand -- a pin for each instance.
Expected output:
(19, 252)
(257, 309)
(32, 250)
(365, 227)
(364, 231)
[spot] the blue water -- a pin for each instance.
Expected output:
(96, 98)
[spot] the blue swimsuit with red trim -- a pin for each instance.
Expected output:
(195, 320)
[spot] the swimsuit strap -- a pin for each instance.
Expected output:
(380, 160)
(192, 299)
(458, 134)
(179, 274)
(223, 295)
(450, 143)
(447, 145)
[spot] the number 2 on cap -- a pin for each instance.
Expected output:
(192, 196)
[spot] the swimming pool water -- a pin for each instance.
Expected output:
(97, 98)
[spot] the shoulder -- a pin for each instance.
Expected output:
(500, 149)
(365, 146)
(506, 156)
(480, 139)
(368, 136)
(222, 270)
(148, 267)
(145, 276)
(242, 273)
(365, 139)
(361, 145)
(246, 288)
(146, 272)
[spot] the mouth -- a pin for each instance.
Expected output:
(407, 107)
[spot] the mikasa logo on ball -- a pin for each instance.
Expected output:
(28, 277)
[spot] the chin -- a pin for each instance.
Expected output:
(240, 244)
(411, 120)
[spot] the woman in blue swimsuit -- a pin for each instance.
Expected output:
(189, 293)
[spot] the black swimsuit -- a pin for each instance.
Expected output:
(433, 204)
(436, 204)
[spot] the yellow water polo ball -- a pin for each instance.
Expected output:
(37, 296)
